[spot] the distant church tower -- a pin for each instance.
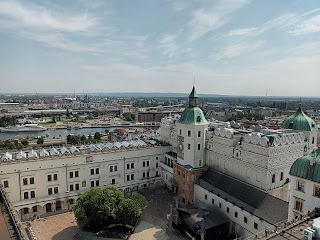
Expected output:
(191, 130)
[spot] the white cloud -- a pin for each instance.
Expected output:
(41, 18)
(238, 49)
(242, 31)
(59, 41)
(209, 19)
(311, 25)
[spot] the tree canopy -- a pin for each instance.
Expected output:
(102, 207)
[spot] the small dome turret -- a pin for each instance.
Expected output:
(299, 122)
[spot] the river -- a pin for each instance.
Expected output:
(56, 132)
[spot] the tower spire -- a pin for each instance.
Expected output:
(193, 98)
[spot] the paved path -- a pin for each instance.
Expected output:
(6, 229)
(153, 224)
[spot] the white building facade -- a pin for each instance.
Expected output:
(305, 185)
(40, 184)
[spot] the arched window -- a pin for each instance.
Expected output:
(273, 178)
(198, 119)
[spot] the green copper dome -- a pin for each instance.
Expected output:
(301, 167)
(299, 121)
(193, 115)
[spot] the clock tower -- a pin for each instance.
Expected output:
(191, 136)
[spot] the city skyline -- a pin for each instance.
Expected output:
(233, 47)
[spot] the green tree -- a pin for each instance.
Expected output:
(97, 136)
(76, 117)
(83, 138)
(128, 116)
(24, 142)
(100, 207)
(53, 118)
(128, 212)
(40, 141)
(67, 113)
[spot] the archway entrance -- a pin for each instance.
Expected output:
(48, 207)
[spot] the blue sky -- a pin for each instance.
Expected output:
(237, 47)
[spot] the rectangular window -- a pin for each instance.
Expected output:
(143, 164)
(49, 191)
(111, 168)
(6, 184)
(25, 181)
(180, 132)
(298, 205)
(147, 163)
(31, 180)
(220, 205)
(228, 209)
(300, 186)
(212, 201)
(25, 210)
(56, 190)
(25, 195)
(70, 174)
(143, 175)
(189, 146)
(97, 183)
(113, 181)
(92, 183)
(255, 225)
(49, 178)
(199, 133)
(84, 184)
(91, 171)
(132, 165)
(77, 186)
(317, 191)
(97, 170)
(128, 166)
(128, 177)
(245, 219)
(198, 146)
(115, 168)
(76, 174)
(312, 140)
(189, 133)
(205, 196)
(89, 159)
(157, 165)
(55, 177)
(71, 187)
(33, 194)
(236, 214)
(132, 176)
(147, 174)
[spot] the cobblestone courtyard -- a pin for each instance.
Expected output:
(153, 224)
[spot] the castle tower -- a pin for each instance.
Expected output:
(301, 122)
(192, 128)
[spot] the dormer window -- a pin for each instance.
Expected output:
(291, 125)
(198, 119)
